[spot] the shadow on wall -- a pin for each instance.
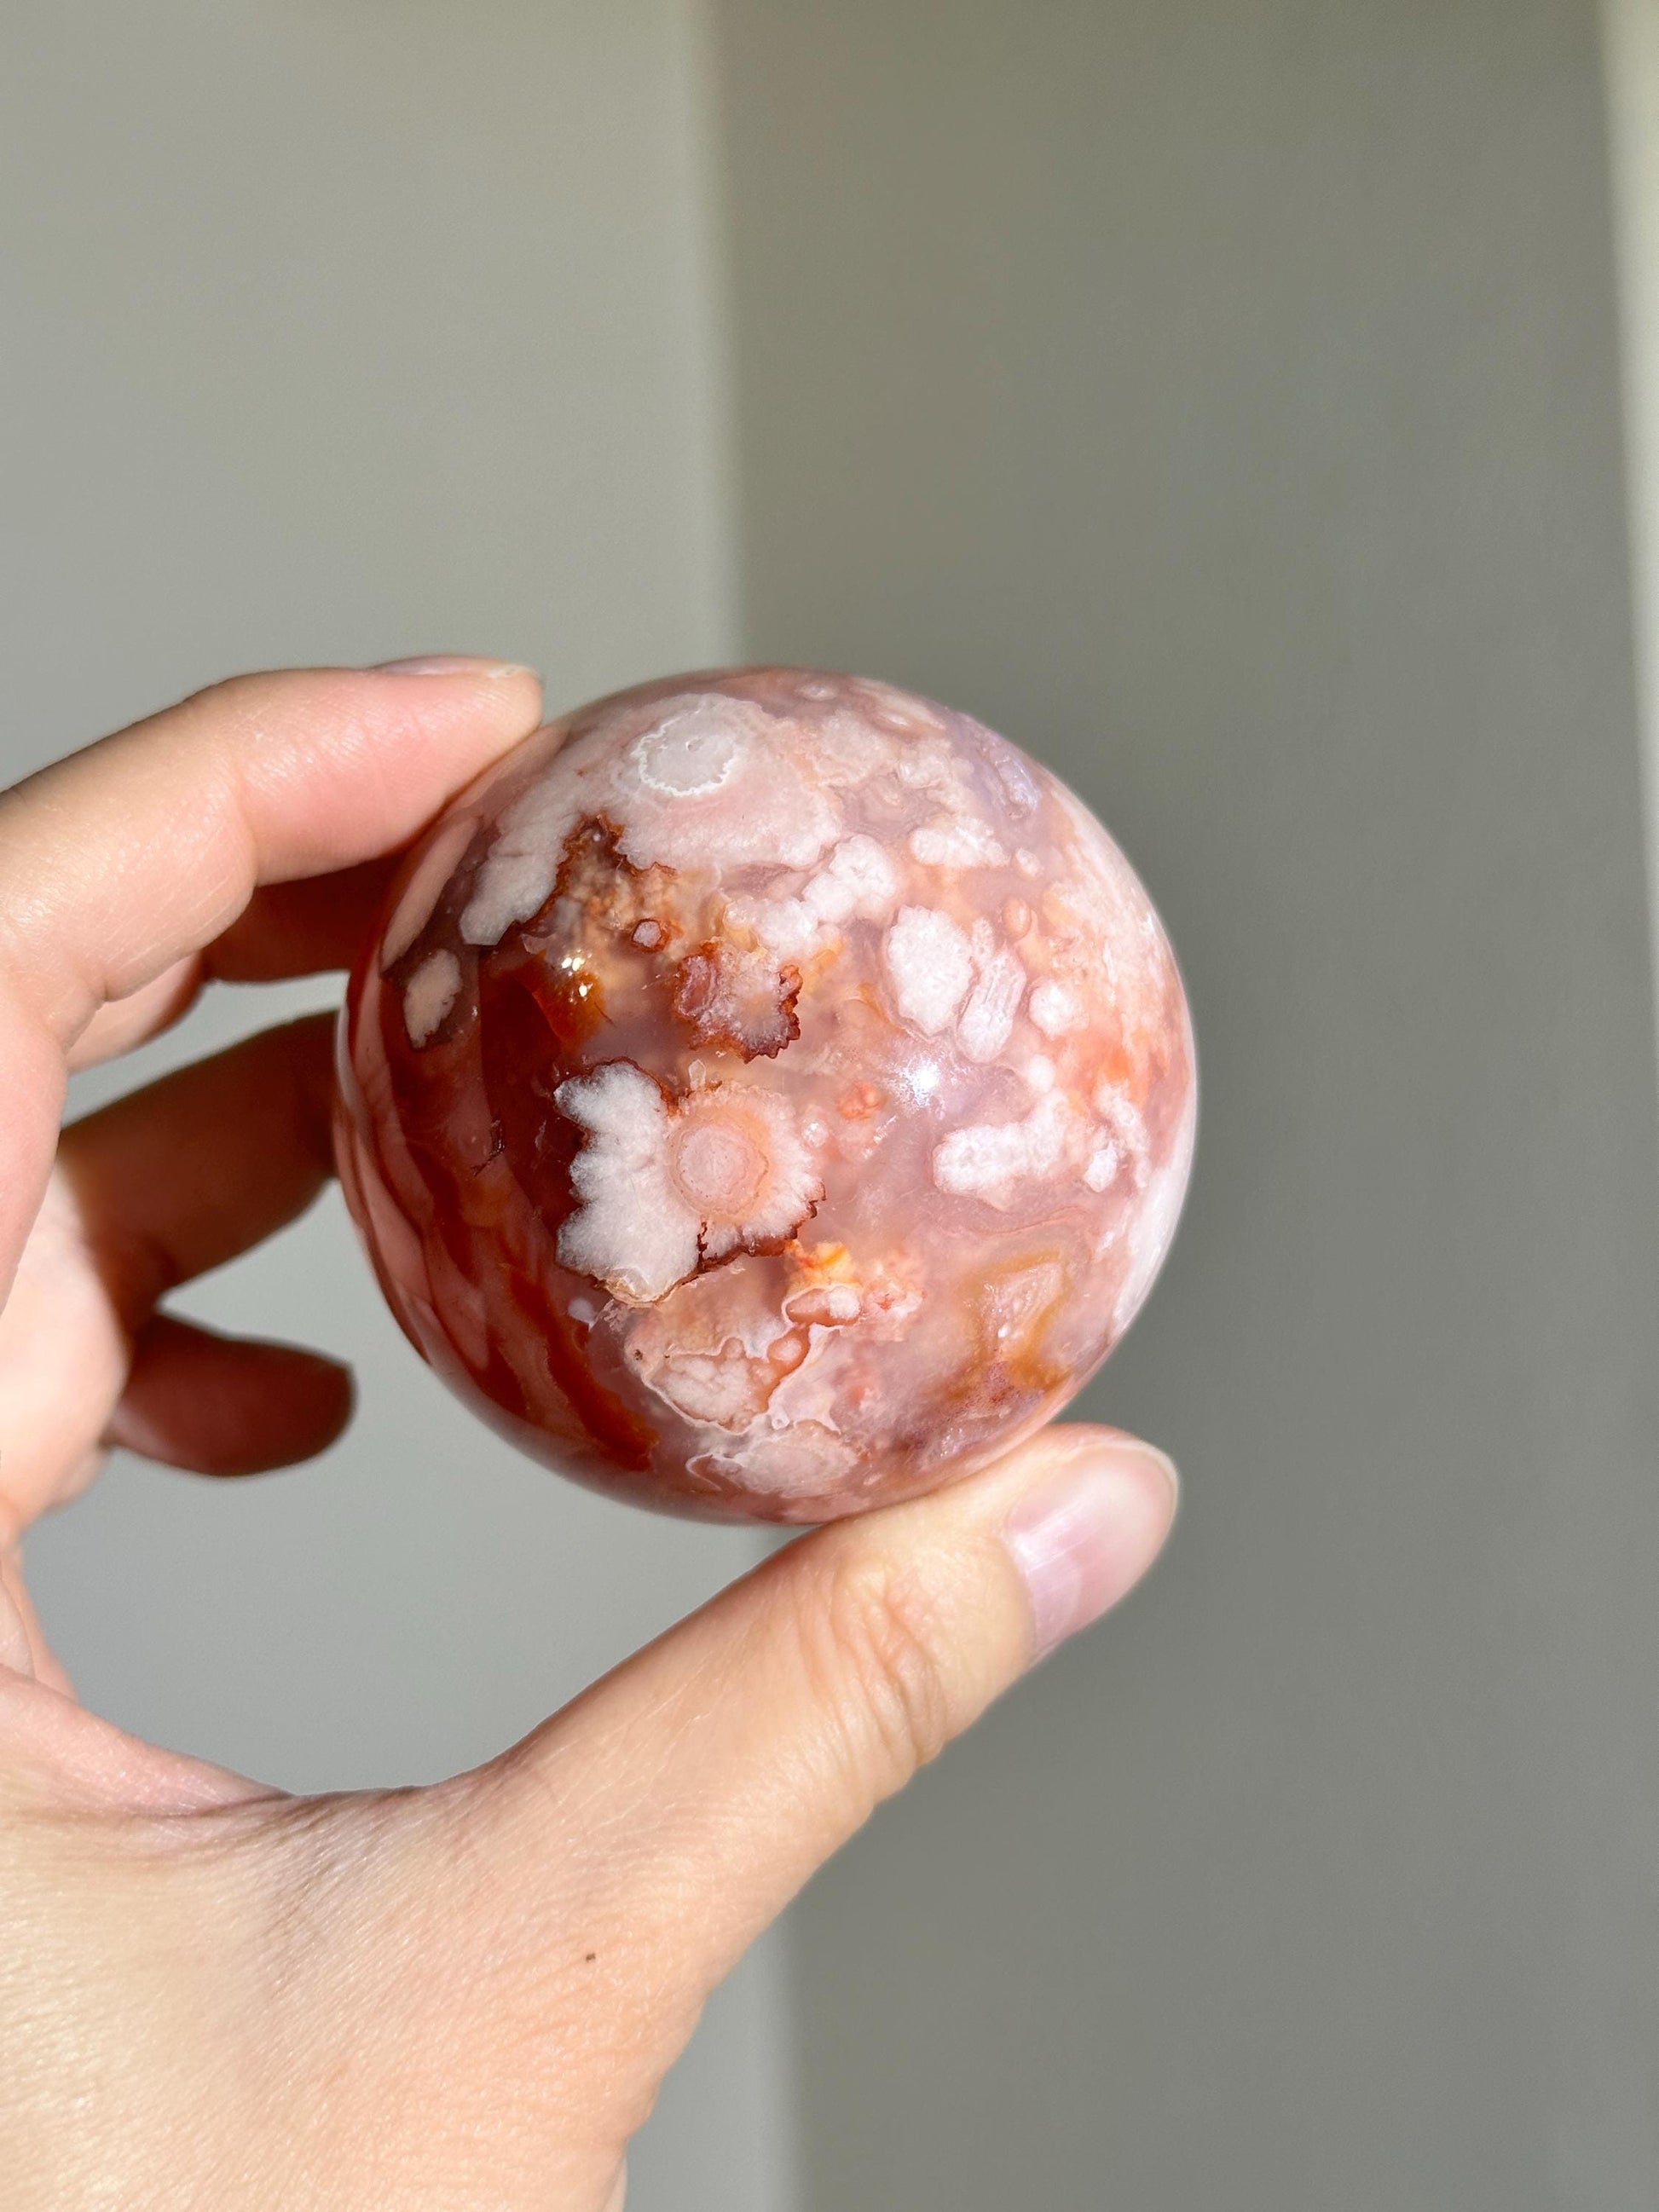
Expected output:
(1222, 400)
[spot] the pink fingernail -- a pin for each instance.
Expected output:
(1085, 1538)
(449, 664)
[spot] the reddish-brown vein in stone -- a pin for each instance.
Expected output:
(532, 1016)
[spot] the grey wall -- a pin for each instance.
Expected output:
(1222, 400)
(1630, 69)
(333, 333)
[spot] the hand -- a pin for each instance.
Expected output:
(214, 1995)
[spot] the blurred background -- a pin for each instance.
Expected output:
(1250, 407)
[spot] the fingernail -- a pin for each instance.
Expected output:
(449, 664)
(1087, 1536)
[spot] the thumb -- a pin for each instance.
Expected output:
(692, 1792)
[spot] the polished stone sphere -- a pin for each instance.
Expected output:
(768, 1094)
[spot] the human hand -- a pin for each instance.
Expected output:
(213, 1994)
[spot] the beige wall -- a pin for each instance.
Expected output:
(1223, 398)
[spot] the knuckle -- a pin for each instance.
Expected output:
(879, 1663)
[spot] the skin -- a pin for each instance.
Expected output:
(216, 1994)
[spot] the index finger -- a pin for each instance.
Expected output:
(125, 859)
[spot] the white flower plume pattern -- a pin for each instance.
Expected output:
(667, 1185)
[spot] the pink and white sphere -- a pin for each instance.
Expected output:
(767, 1095)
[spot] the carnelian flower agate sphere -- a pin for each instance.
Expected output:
(770, 1094)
